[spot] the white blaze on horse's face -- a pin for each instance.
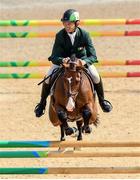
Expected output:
(69, 80)
(71, 104)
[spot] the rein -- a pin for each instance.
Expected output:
(54, 71)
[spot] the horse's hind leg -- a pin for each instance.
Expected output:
(62, 133)
(79, 126)
(86, 116)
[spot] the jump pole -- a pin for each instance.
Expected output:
(41, 75)
(41, 144)
(64, 154)
(55, 22)
(70, 170)
(52, 34)
(36, 63)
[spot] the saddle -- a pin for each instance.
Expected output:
(86, 72)
(54, 77)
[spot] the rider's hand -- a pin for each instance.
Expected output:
(83, 62)
(65, 60)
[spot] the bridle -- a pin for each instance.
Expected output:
(70, 93)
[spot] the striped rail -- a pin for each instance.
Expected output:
(71, 170)
(56, 154)
(86, 22)
(52, 34)
(35, 63)
(41, 75)
(41, 144)
(64, 154)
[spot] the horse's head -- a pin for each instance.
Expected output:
(72, 69)
(73, 64)
(72, 79)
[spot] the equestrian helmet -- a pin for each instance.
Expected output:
(70, 15)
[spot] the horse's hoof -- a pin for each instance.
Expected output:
(87, 129)
(75, 132)
(69, 131)
(79, 138)
(62, 139)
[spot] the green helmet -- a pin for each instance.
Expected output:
(70, 15)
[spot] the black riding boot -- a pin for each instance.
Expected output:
(105, 105)
(40, 108)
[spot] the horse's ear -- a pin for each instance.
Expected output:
(79, 63)
(65, 65)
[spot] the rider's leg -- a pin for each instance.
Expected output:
(40, 108)
(105, 105)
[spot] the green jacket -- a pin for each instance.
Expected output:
(83, 47)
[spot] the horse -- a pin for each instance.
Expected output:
(73, 100)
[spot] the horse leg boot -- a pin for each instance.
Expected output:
(63, 118)
(40, 108)
(62, 133)
(79, 126)
(86, 116)
(105, 105)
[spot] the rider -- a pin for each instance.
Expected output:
(72, 39)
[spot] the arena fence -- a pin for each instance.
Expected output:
(87, 22)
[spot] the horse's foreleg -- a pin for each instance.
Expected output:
(79, 126)
(86, 116)
(62, 115)
(62, 133)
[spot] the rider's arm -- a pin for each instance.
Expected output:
(57, 52)
(90, 51)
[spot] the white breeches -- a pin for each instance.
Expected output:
(94, 74)
(54, 66)
(92, 70)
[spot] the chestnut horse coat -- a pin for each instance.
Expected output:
(84, 97)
